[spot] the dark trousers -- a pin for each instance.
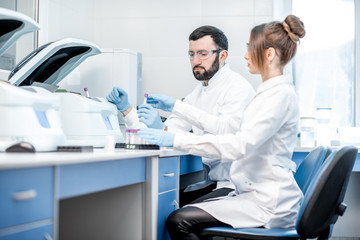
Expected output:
(186, 223)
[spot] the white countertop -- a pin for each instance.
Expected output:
(41, 159)
(303, 149)
(309, 149)
(20, 160)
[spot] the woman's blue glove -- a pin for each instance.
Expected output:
(120, 98)
(162, 102)
(158, 137)
(150, 116)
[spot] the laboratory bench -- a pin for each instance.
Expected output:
(126, 194)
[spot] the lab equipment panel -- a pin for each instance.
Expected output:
(26, 195)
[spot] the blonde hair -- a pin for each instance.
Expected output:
(282, 36)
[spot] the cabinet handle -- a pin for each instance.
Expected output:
(25, 195)
(176, 204)
(169, 174)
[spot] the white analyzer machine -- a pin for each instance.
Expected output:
(41, 117)
(27, 114)
(84, 120)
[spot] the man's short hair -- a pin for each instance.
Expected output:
(216, 34)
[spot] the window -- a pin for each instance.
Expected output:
(324, 67)
(28, 42)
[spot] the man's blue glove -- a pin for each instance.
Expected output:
(158, 137)
(150, 116)
(162, 102)
(120, 98)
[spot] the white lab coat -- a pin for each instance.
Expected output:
(216, 109)
(266, 193)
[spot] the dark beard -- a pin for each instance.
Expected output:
(208, 74)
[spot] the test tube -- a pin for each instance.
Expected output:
(145, 97)
(131, 136)
(137, 139)
(87, 92)
(127, 136)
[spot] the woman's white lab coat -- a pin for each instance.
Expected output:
(266, 193)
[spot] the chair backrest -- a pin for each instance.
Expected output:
(323, 200)
(309, 166)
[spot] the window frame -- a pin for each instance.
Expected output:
(357, 66)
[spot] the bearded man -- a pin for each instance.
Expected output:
(220, 99)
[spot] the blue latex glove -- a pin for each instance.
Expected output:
(150, 116)
(158, 137)
(120, 98)
(162, 102)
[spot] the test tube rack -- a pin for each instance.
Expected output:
(137, 146)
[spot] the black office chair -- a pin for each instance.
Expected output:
(309, 166)
(323, 203)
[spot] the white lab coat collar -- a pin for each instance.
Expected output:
(270, 83)
(218, 75)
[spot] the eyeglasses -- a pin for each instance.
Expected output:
(203, 54)
(267, 47)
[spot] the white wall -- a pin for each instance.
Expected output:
(65, 18)
(159, 29)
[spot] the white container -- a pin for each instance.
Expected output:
(307, 131)
(323, 126)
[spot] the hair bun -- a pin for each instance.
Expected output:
(294, 27)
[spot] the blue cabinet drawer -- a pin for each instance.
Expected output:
(165, 206)
(85, 178)
(26, 195)
(168, 173)
(43, 232)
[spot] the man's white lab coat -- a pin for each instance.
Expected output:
(216, 109)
